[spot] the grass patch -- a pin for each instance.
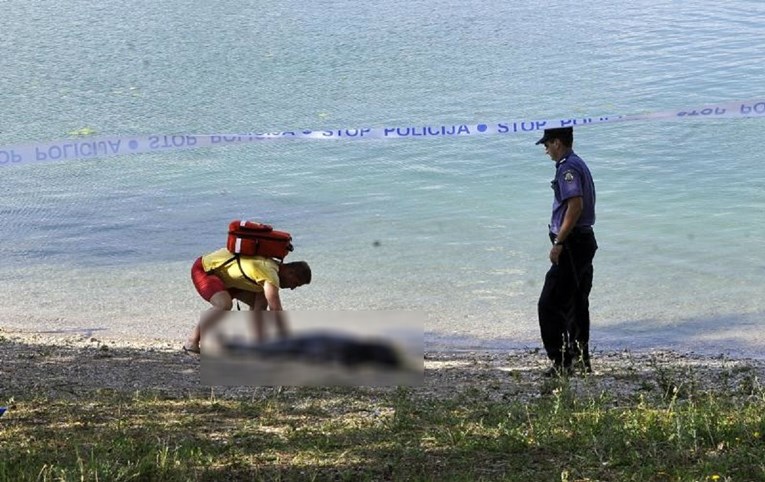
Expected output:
(677, 433)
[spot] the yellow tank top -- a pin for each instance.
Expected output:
(257, 268)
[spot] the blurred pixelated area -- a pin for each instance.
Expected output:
(351, 348)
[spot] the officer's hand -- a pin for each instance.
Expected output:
(555, 252)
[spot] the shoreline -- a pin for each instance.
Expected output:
(72, 366)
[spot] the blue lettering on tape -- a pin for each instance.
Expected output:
(40, 155)
(703, 112)
(170, 142)
(77, 150)
(426, 131)
(521, 126)
(344, 132)
(87, 149)
(66, 150)
(758, 108)
(239, 138)
(575, 122)
(9, 156)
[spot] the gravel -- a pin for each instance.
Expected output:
(34, 365)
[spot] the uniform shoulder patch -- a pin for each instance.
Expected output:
(568, 176)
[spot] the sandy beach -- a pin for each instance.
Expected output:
(67, 366)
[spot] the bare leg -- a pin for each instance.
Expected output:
(221, 302)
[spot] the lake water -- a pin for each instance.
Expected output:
(454, 227)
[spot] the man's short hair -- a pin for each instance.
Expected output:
(301, 270)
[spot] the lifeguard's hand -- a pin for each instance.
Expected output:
(555, 252)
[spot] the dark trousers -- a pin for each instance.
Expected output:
(564, 305)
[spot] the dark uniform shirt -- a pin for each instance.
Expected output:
(572, 179)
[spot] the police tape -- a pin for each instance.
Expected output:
(116, 146)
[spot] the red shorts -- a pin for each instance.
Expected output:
(207, 284)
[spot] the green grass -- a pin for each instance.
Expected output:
(675, 434)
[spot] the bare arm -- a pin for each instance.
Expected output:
(275, 305)
(272, 297)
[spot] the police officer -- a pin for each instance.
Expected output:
(564, 314)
